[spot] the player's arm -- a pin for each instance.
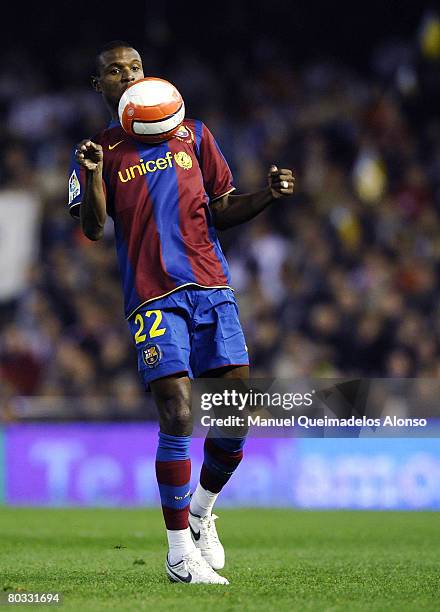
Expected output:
(231, 210)
(93, 211)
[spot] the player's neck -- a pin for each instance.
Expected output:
(113, 110)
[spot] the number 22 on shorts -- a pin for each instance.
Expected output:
(155, 330)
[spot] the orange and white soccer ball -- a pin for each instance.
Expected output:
(151, 110)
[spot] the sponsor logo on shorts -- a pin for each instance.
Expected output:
(151, 354)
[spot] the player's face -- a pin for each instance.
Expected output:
(118, 68)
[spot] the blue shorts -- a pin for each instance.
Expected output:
(191, 331)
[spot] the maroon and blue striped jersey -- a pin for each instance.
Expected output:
(158, 197)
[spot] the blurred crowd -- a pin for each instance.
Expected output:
(342, 279)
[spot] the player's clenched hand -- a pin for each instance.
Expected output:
(281, 182)
(89, 155)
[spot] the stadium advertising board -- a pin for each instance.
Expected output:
(2, 466)
(113, 465)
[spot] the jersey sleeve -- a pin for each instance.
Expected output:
(217, 176)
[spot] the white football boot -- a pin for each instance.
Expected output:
(193, 569)
(204, 535)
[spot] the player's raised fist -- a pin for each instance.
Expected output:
(89, 155)
(281, 182)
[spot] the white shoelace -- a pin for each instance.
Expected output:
(197, 563)
(210, 526)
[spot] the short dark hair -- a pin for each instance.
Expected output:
(113, 44)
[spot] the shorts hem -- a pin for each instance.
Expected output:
(222, 365)
(165, 375)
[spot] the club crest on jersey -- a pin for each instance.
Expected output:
(74, 187)
(183, 160)
(151, 355)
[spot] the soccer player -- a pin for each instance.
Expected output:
(179, 304)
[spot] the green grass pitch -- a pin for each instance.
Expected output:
(277, 560)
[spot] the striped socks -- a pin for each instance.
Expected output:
(173, 472)
(222, 456)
